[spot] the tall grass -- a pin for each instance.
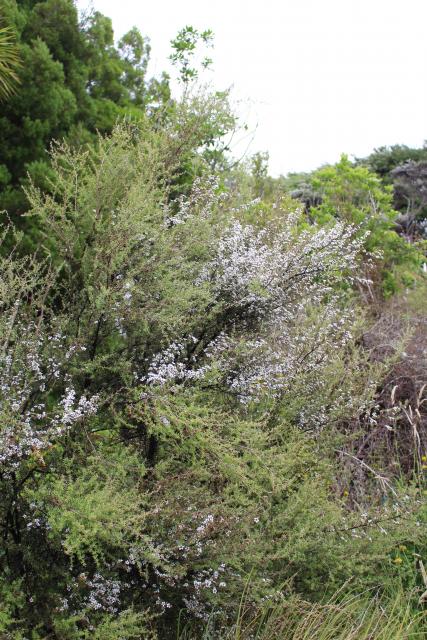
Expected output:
(353, 617)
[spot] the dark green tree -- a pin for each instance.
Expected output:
(74, 82)
(384, 159)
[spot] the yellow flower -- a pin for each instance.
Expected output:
(345, 493)
(424, 458)
(402, 548)
(398, 561)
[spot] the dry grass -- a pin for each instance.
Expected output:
(392, 438)
(353, 617)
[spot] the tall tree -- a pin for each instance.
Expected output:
(74, 82)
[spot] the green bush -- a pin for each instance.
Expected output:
(176, 369)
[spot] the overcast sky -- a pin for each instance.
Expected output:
(313, 78)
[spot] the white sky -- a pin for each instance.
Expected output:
(315, 78)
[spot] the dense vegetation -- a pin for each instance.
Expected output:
(213, 413)
(74, 82)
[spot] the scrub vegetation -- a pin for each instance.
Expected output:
(213, 400)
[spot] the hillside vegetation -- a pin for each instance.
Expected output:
(212, 382)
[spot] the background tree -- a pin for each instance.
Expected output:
(404, 168)
(356, 194)
(384, 159)
(184, 47)
(74, 82)
(9, 63)
(410, 192)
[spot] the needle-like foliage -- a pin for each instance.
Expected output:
(10, 63)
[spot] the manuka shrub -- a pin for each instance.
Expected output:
(171, 376)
